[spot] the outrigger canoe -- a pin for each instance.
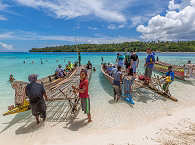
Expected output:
(181, 72)
(49, 83)
(138, 83)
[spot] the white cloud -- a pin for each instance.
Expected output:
(173, 6)
(7, 35)
(137, 20)
(2, 18)
(92, 28)
(69, 9)
(6, 46)
(114, 27)
(175, 25)
(21, 35)
(2, 6)
(121, 26)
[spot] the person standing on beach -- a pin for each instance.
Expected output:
(134, 61)
(83, 93)
(150, 60)
(117, 84)
(35, 93)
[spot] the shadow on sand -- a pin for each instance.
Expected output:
(76, 125)
(20, 117)
(139, 95)
(144, 95)
(29, 128)
(121, 101)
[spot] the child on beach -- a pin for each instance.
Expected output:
(83, 93)
(11, 78)
(169, 78)
(128, 81)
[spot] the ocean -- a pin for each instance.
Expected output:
(13, 63)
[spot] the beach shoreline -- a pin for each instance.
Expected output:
(119, 125)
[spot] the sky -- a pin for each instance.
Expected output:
(26, 24)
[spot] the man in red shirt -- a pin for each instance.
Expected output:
(83, 93)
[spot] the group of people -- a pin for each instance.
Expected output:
(37, 94)
(61, 73)
(125, 72)
(127, 63)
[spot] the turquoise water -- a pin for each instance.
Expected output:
(12, 63)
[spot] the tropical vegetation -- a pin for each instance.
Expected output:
(162, 46)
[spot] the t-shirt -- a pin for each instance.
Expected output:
(35, 92)
(109, 69)
(60, 72)
(127, 59)
(150, 58)
(114, 70)
(117, 78)
(121, 57)
(83, 84)
(134, 57)
(171, 74)
(89, 66)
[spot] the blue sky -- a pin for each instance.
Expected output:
(25, 24)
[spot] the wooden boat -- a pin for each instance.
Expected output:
(64, 104)
(181, 72)
(155, 85)
(49, 82)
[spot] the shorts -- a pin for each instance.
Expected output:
(127, 65)
(130, 71)
(148, 72)
(120, 63)
(117, 90)
(85, 104)
(39, 108)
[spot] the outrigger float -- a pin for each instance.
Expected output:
(185, 72)
(58, 90)
(156, 84)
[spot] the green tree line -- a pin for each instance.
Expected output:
(162, 46)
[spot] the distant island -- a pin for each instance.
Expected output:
(161, 46)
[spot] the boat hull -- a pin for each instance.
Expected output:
(139, 83)
(163, 68)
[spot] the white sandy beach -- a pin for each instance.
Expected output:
(118, 124)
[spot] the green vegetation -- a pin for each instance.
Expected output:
(180, 46)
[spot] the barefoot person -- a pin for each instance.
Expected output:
(35, 93)
(116, 84)
(150, 60)
(83, 93)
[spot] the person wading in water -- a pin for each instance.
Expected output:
(150, 60)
